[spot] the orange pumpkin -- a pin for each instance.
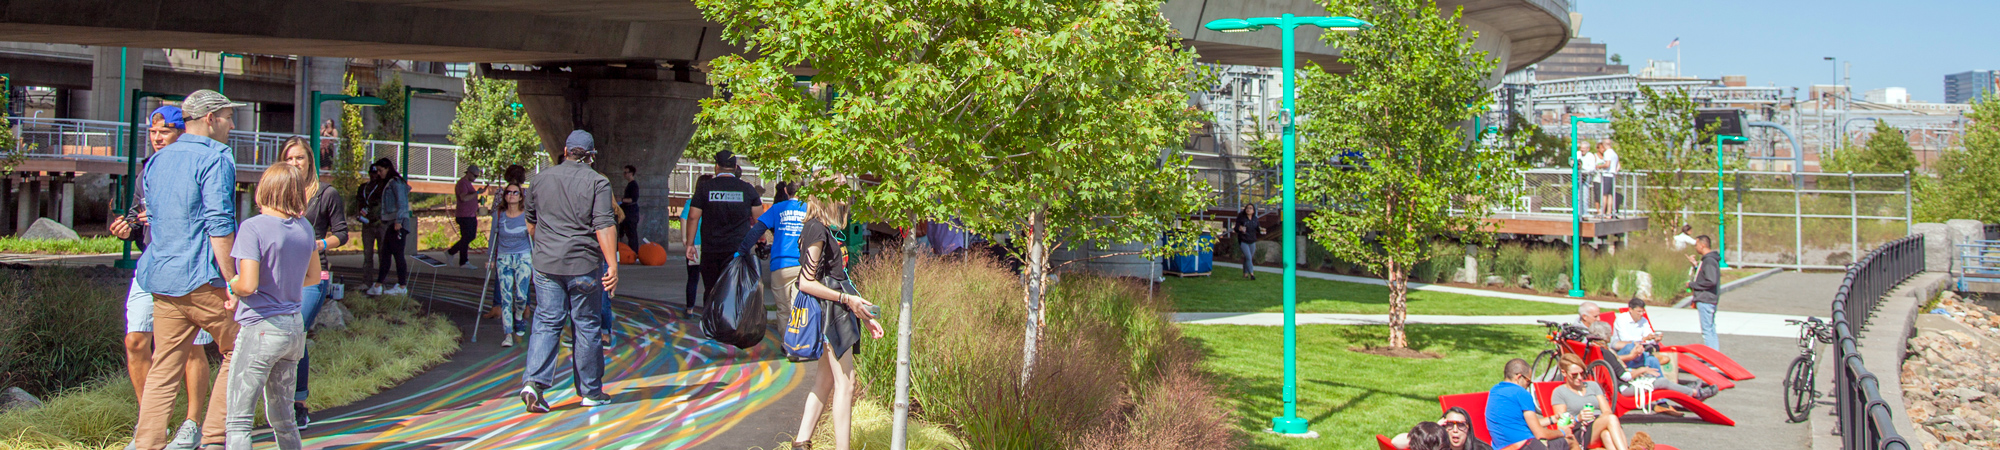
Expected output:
(652, 254)
(626, 255)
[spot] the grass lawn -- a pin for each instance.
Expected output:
(86, 246)
(1350, 397)
(1228, 293)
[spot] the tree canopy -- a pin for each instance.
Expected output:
(491, 131)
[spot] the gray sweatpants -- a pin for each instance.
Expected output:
(267, 363)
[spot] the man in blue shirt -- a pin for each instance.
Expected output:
(1511, 416)
(785, 219)
(190, 205)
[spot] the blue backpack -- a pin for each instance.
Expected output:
(804, 334)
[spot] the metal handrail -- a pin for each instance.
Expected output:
(1865, 420)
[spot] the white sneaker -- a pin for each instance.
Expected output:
(186, 437)
(470, 266)
(375, 290)
(397, 290)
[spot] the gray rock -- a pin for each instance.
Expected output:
(14, 398)
(49, 230)
(1495, 280)
(332, 316)
(1967, 395)
(1644, 285)
(1562, 282)
(1937, 246)
(1471, 269)
(1523, 282)
(1961, 231)
(1269, 252)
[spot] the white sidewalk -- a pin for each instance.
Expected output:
(1664, 318)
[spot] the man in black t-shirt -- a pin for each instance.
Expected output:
(629, 228)
(725, 207)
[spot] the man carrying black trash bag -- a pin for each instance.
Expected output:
(735, 304)
(574, 234)
(725, 207)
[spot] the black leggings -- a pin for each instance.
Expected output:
(391, 249)
(468, 228)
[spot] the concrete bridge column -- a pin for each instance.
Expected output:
(106, 103)
(645, 123)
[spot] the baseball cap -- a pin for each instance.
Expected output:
(725, 159)
(203, 102)
(170, 114)
(579, 139)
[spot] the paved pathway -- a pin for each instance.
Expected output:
(671, 386)
(1731, 321)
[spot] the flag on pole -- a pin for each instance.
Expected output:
(1675, 43)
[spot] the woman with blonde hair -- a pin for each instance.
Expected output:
(327, 213)
(822, 268)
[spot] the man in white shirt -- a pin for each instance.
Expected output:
(1607, 170)
(1587, 163)
(1632, 334)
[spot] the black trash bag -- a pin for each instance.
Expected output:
(734, 313)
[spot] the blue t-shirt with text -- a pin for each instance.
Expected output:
(786, 220)
(1504, 422)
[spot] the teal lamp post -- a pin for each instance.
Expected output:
(1576, 205)
(132, 144)
(318, 98)
(407, 92)
(1290, 423)
(222, 70)
(1722, 220)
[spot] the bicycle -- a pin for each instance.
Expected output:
(1543, 367)
(1800, 394)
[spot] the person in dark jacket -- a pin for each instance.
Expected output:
(1247, 232)
(328, 214)
(1707, 277)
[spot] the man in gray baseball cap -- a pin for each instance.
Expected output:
(575, 244)
(189, 191)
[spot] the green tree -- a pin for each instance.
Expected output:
(1968, 179)
(1394, 129)
(350, 153)
(491, 131)
(389, 117)
(1045, 122)
(1887, 151)
(12, 152)
(1657, 133)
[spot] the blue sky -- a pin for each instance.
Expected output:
(1911, 44)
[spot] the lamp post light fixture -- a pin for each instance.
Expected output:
(407, 92)
(1576, 204)
(318, 98)
(1721, 220)
(222, 70)
(1290, 423)
(126, 182)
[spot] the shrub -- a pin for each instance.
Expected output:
(85, 246)
(56, 332)
(1446, 257)
(1111, 364)
(1510, 262)
(1545, 265)
(1597, 273)
(388, 341)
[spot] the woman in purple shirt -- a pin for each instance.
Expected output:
(275, 258)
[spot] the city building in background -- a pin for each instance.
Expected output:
(1965, 87)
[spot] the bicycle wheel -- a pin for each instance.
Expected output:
(1544, 366)
(1607, 379)
(1799, 389)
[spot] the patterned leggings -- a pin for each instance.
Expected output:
(517, 290)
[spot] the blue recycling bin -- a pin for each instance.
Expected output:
(1199, 263)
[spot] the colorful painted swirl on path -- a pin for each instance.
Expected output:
(671, 388)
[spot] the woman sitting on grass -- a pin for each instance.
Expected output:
(275, 259)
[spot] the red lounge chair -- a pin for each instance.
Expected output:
(1694, 367)
(1722, 363)
(1383, 443)
(1475, 410)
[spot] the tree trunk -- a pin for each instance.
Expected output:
(1399, 304)
(1037, 284)
(900, 430)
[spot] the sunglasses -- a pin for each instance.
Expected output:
(1576, 375)
(513, 192)
(1456, 424)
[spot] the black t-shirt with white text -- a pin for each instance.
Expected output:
(728, 206)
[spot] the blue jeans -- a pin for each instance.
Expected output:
(1707, 311)
(314, 298)
(577, 299)
(1644, 359)
(517, 290)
